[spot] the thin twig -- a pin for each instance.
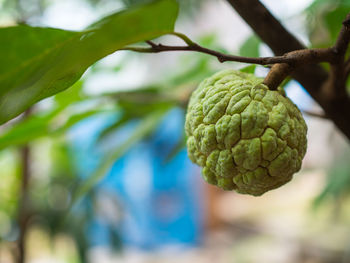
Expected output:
(282, 65)
(304, 56)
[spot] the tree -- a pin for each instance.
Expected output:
(42, 62)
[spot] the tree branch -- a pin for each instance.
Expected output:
(271, 31)
(24, 203)
(294, 58)
(347, 68)
(312, 77)
(342, 43)
(266, 26)
(335, 85)
(283, 65)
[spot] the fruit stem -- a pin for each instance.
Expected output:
(277, 74)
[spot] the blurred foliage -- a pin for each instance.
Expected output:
(337, 187)
(250, 47)
(56, 209)
(56, 190)
(188, 7)
(27, 11)
(324, 19)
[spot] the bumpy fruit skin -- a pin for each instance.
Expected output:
(245, 136)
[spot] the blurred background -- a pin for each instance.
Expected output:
(100, 173)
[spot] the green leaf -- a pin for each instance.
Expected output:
(71, 95)
(38, 126)
(250, 48)
(31, 128)
(40, 62)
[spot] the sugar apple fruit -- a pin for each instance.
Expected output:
(246, 137)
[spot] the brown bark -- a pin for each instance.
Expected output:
(24, 199)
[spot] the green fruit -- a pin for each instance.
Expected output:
(246, 137)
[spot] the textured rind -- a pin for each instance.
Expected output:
(245, 136)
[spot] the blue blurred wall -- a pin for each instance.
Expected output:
(162, 201)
